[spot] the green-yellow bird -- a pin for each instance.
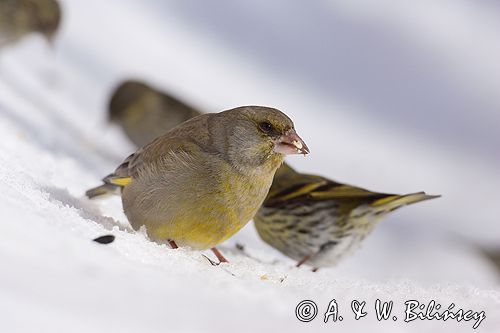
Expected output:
(145, 113)
(317, 221)
(21, 17)
(308, 218)
(201, 182)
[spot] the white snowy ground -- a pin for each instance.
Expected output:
(397, 97)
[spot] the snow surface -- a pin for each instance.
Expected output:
(397, 96)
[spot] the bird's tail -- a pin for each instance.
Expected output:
(393, 202)
(105, 189)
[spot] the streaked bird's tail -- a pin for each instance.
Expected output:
(393, 202)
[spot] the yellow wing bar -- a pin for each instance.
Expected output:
(117, 180)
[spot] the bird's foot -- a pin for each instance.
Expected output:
(212, 262)
(219, 255)
(303, 260)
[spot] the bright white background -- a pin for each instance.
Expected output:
(394, 96)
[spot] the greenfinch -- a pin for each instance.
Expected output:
(317, 221)
(202, 181)
(21, 17)
(145, 113)
(308, 218)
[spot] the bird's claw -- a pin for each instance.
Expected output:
(212, 262)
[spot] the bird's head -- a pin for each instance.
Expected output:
(258, 135)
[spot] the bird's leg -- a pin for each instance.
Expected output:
(315, 269)
(172, 244)
(303, 260)
(219, 255)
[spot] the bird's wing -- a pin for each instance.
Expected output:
(344, 192)
(347, 197)
(302, 187)
(163, 150)
(350, 197)
(333, 190)
(284, 189)
(307, 188)
(179, 145)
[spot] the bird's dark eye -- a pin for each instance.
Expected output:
(266, 126)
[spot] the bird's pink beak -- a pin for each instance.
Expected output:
(290, 143)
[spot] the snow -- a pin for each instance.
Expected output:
(385, 96)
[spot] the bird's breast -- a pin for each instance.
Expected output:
(205, 214)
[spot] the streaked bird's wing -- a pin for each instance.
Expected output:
(291, 186)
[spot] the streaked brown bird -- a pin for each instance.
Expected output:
(308, 227)
(202, 181)
(21, 17)
(317, 221)
(145, 113)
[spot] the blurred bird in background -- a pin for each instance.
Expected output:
(493, 255)
(200, 183)
(19, 18)
(145, 113)
(318, 221)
